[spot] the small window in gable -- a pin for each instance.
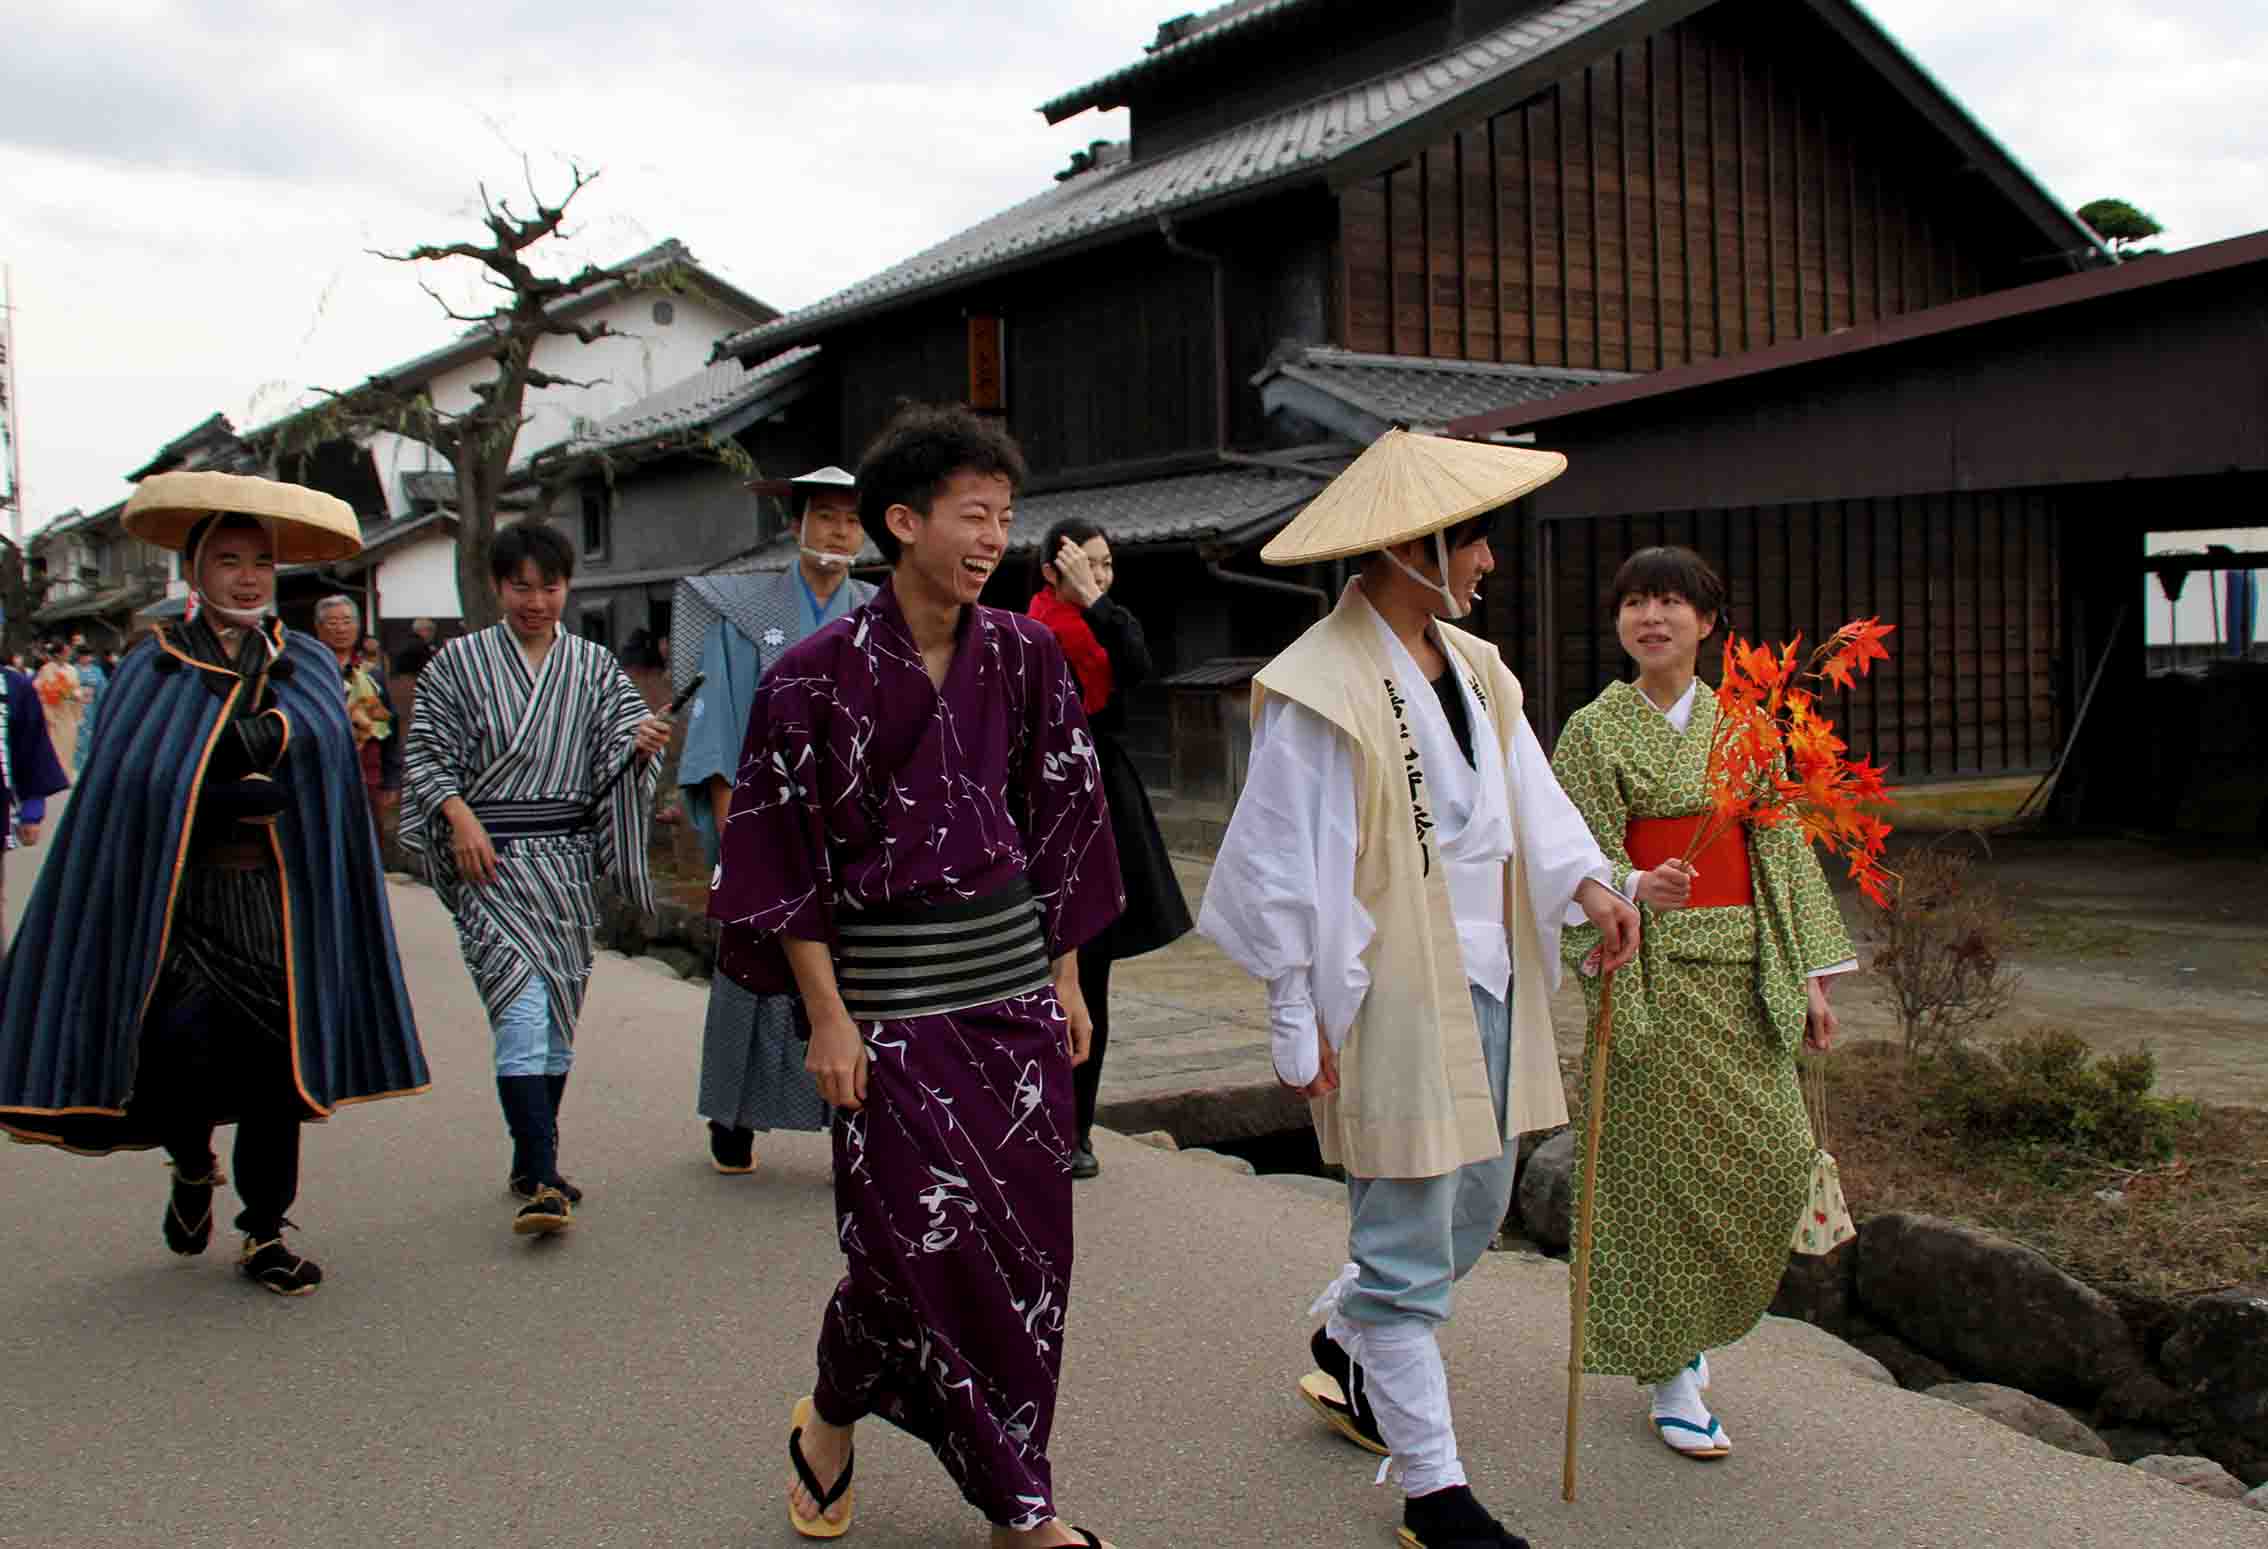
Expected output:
(598, 520)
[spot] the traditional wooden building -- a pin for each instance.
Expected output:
(661, 490)
(1330, 216)
(91, 577)
(1984, 474)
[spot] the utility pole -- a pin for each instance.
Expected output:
(10, 431)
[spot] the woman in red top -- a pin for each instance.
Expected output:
(1109, 657)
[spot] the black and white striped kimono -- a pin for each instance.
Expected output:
(527, 754)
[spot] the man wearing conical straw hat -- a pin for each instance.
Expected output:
(1397, 871)
(213, 944)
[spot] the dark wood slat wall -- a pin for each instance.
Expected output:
(1970, 581)
(1109, 359)
(1695, 194)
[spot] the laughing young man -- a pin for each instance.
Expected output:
(918, 846)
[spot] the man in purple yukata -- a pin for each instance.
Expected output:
(917, 846)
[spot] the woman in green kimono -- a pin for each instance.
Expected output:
(1705, 1154)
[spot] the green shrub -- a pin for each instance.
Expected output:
(2049, 1094)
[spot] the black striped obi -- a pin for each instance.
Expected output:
(895, 961)
(508, 820)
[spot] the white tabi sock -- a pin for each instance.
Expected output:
(1680, 1399)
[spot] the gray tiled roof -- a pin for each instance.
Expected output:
(1221, 22)
(696, 402)
(1226, 505)
(1296, 143)
(1422, 393)
(1220, 505)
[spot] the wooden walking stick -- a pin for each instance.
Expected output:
(1579, 1295)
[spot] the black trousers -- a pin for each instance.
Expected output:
(1086, 1080)
(265, 1168)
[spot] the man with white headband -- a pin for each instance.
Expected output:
(731, 629)
(1397, 871)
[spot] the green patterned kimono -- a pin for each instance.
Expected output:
(1705, 1155)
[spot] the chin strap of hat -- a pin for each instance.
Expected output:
(1457, 610)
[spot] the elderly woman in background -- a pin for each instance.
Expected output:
(1705, 1157)
(370, 705)
(1109, 657)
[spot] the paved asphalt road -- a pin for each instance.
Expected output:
(628, 1385)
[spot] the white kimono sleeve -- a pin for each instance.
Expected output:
(1555, 843)
(1281, 900)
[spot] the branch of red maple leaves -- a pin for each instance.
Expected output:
(1775, 759)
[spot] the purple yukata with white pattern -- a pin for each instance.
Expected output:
(863, 784)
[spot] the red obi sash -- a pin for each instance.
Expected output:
(1723, 882)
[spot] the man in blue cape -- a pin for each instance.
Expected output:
(211, 941)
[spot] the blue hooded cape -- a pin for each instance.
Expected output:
(76, 988)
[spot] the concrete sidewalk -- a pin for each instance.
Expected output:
(628, 1385)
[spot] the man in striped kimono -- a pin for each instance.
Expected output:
(918, 845)
(512, 798)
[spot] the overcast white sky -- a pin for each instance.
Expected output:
(186, 190)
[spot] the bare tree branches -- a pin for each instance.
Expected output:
(529, 306)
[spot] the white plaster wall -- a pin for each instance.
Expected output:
(419, 580)
(393, 456)
(621, 371)
(2197, 618)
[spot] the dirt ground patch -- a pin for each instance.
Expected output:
(2128, 942)
(2196, 1223)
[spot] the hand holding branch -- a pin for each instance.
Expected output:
(1668, 886)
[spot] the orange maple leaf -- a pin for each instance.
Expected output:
(1867, 636)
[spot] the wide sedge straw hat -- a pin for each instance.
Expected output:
(309, 527)
(1408, 486)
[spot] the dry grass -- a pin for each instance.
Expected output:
(2195, 1224)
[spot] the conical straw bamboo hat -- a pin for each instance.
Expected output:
(1408, 486)
(310, 527)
